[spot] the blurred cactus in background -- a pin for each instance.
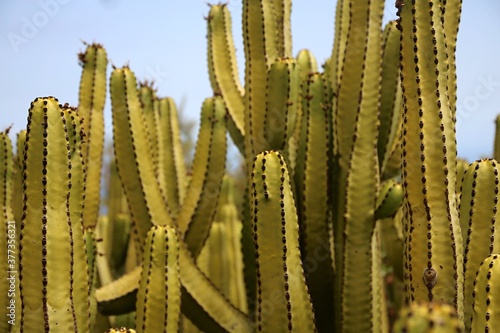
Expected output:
(356, 214)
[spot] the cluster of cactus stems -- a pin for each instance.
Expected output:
(356, 206)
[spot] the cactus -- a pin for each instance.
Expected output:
(433, 250)
(352, 189)
(51, 239)
(485, 315)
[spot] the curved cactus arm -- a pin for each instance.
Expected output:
(282, 296)
(145, 199)
(428, 317)
(159, 295)
(9, 239)
(433, 250)
(486, 294)
(171, 159)
(478, 219)
(282, 102)
(199, 207)
(53, 285)
(259, 38)
(223, 70)
(119, 296)
(391, 100)
(91, 109)
(313, 199)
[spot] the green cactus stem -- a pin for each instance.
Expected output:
(357, 177)
(282, 297)
(313, 198)
(496, 147)
(282, 102)
(171, 160)
(223, 70)
(159, 295)
(91, 110)
(486, 314)
(389, 140)
(199, 206)
(9, 239)
(147, 207)
(261, 49)
(131, 139)
(53, 271)
(478, 219)
(433, 251)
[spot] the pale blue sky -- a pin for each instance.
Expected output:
(165, 41)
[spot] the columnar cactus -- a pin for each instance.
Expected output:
(433, 268)
(53, 272)
(330, 157)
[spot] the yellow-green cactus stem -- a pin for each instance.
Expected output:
(313, 198)
(307, 64)
(433, 251)
(91, 109)
(496, 146)
(389, 199)
(119, 296)
(342, 26)
(171, 160)
(159, 295)
(144, 196)
(450, 19)
(282, 102)
(357, 177)
(73, 124)
(223, 70)
(390, 103)
(261, 49)
(199, 206)
(147, 97)
(52, 272)
(282, 13)
(221, 258)
(283, 300)
(462, 166)
(391, 235)
(422, 317)
(486, 296)
(17, 188)
(9, 239)
(380, 318)
(478, 219)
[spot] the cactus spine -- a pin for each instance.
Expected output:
(485, 315)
